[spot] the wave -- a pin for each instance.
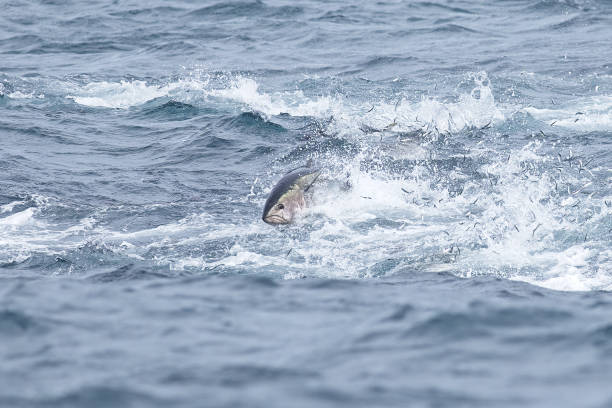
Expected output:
(93, 395)
(431, 5)
(126, 272)
(477, 108)
(387, 60)
(171, 110)
(474, 109)
(121, 95)
(454, 28)
(556, 5)
(235, 9)
(464, 325)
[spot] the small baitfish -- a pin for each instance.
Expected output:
(287, 197)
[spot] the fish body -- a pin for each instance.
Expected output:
(287, 197)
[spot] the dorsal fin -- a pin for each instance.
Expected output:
(309, 163)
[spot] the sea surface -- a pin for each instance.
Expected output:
(456, 252)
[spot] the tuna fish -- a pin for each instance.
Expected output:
(287, 197)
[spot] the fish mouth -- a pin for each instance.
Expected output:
(275, 219)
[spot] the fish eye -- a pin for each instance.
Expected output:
(280, 206)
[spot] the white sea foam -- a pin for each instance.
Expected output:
(16, 232)
(25, 232)
(20, 218)
(24, 95)
(9, 207)
(117, 95)
(125, 94)
(246, 91)
(586, 114)
(576, 269)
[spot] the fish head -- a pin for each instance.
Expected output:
(284, 209)
(287, 197)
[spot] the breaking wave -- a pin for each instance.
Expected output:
(474, 109)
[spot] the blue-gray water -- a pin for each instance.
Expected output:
(457, 251)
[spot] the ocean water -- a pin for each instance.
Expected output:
(457, 251)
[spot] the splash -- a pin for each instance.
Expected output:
(524, 228)
(475, 109)
(513, 224)
(246, 91)
(587, 114)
